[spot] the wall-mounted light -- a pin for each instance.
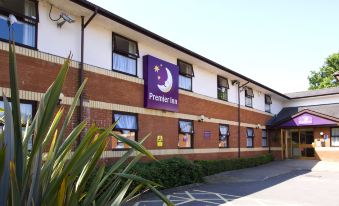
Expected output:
(61, 97)
(258, 126)
(321, 133)
(201, 118)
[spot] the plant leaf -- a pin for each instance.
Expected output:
(135, 145)
(18, 158)
(15, 193)
(9, 143)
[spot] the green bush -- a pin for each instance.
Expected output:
(171, 172)
(210, 167)
(177, 171)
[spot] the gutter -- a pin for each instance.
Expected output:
(154, 36)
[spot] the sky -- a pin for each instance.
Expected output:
(275, 42)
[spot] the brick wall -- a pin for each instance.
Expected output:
(36, 75)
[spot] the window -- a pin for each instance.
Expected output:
(248, 97)
(268, 102)
(335, 137)
(250, 136)
(25, 30)
(264, 138)
(185, 75)
(27, 110)
(224, 134)
(127, 126)
(185, 134)
(222, 88)
(125, 55)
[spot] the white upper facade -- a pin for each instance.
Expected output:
(98, 51)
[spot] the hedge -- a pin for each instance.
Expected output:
(177, 171)
(210, 167)
(170, 172)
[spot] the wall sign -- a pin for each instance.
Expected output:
(207, 134)
(161, 84)
(305, 119)
(160, 141)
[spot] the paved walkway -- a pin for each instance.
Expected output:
(271, 170)
(289, 182)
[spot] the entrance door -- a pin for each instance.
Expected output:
(306, 140)
(301, 144)
(296, 153)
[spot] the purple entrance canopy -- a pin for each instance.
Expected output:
(307, 119)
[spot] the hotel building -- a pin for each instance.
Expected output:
(191, 105)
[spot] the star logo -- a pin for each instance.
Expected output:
(156, 68)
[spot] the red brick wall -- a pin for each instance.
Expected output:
(37, 75)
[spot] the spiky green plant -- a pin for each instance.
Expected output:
(52, 173)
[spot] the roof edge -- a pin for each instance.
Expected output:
(163, 40)
(310, 96)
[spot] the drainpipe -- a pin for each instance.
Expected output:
(81, 68)
(239, 89)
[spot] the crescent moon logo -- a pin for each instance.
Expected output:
(167, 86)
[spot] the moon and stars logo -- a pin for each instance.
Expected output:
(165, 79)
(161, 84)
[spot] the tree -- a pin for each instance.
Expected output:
(324, 77)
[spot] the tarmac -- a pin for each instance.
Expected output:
(285, 183)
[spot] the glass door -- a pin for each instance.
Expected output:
(296, 153)
(306, 140)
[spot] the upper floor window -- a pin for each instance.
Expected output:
(25, 30)
(125, 55)
(222, 88)
(335, 137)
(249, 97)
(224, 134)
(250, 137)
(268, 102)
(127, 126)
(264, 138)
(185, 75)
(185, 134)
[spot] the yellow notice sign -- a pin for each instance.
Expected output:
(160, 141)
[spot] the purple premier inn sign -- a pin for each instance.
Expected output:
(161, 84)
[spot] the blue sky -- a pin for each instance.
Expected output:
(274, 42)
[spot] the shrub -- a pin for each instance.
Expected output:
(210, 167)
(176, 171)
(170, 172)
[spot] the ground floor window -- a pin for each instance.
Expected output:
(250, 137)
(335, 137)
(223, 135)
(127, 126)
(264, 138)
(27, 110)
(185, 134)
